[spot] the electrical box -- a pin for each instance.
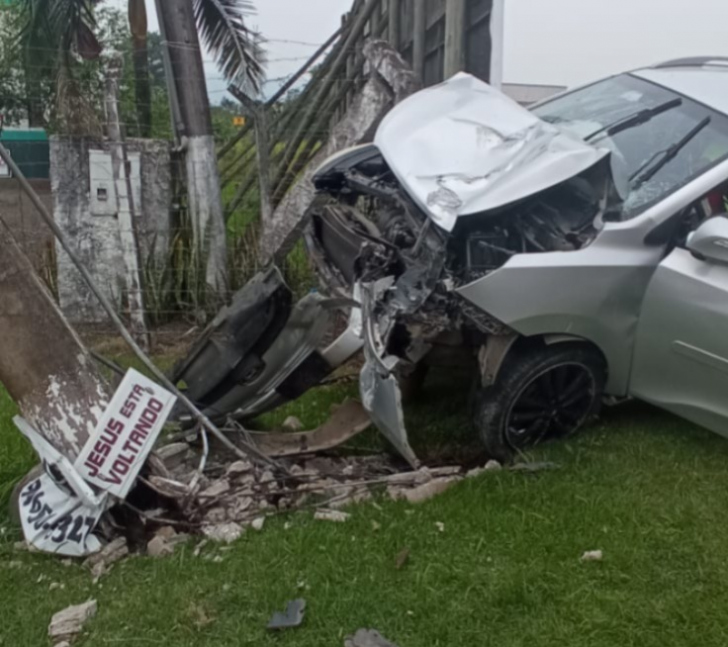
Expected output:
(104, 200)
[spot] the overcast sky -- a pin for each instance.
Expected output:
(561, 42)
(566, 42)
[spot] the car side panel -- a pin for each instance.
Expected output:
(681, 352)
(594, 293)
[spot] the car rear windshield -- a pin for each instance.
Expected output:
(646, 121)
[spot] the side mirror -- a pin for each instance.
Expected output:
(710, 240)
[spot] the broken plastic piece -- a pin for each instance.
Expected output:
(292, 617)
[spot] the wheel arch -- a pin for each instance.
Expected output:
(498, 350)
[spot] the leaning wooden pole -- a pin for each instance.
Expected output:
(43, 364)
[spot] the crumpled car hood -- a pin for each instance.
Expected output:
(463, 147)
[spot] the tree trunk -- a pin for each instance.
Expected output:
(203, 182)
(43, 364)
(142, 80)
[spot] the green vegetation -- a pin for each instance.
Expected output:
(643, 486)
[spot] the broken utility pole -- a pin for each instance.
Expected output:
(187, 84)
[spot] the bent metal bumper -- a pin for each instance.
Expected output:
(379, 388)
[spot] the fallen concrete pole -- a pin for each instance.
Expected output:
(390, 80)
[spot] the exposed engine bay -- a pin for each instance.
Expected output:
(365, 227)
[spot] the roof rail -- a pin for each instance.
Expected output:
(695, 61)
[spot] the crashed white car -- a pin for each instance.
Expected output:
(573, 251)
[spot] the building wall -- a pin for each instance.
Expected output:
(477, 37)
(96, 234)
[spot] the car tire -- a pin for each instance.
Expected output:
(540, 394)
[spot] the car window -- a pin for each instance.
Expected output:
(644, 171)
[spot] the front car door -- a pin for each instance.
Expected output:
(681, 351)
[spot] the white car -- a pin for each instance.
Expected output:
(576, 250)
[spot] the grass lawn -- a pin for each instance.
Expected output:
(646, 488)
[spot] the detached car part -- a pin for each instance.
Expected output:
(262, 351)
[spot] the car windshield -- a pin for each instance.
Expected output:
(659, 140)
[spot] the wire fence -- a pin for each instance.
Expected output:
(293, 118)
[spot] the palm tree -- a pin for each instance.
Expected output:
(53, 30)
(68, 27)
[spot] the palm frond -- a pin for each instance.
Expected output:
(236, 48)
(60, 25)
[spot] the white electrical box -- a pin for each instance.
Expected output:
(103, 190)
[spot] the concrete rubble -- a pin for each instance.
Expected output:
(164, 542)
(102, 562)
(367, 638)
(67, 624)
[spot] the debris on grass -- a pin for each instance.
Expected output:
(67, 624)
(440, 526)
(425, 491)
(592, 556)
(225, 533)
(292, 424)
(258, 523)
(102, 562)
(534, 467)
(164, 541)
(367, 638)
(200, 616)
(402, 559)
(331, 515)
(290, 618)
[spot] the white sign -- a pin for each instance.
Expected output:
(54, 520)
(58, 510)
(125, 435)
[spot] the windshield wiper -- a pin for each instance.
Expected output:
(642, 176)
(638, 118)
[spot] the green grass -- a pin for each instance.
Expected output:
(646, 488)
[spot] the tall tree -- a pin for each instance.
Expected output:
(221, 25)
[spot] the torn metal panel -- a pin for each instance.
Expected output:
(463, 148)
(382, 398)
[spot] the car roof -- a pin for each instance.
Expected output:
(704, 79)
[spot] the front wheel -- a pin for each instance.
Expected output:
(541, 394)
